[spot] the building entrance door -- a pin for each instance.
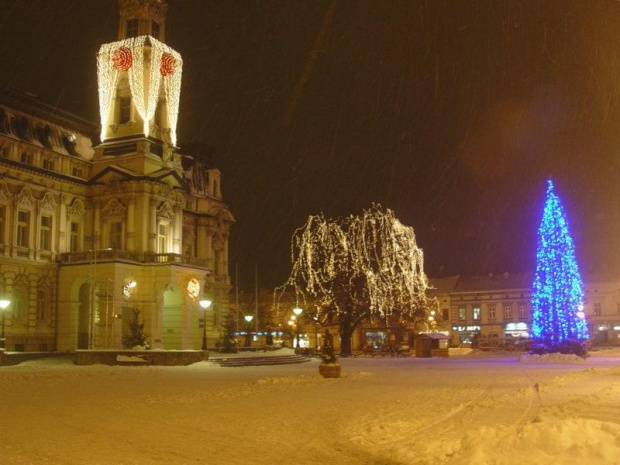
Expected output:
(83, 317)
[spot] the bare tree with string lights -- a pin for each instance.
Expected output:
(358, 267)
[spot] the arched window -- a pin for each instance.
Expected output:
(43, 302)
(20, 299)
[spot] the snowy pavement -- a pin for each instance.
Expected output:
(469, 409)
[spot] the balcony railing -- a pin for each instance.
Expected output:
(111, 255)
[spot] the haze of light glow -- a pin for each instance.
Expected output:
(557, 293)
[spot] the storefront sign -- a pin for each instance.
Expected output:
(466, 328)
(516, 327)
(193, 288)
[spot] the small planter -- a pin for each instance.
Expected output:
(329, 370)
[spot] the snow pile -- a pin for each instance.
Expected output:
(569, 441)
(552, 358)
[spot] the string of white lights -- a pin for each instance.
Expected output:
(107, 78)
(146, 65)
(374, 246)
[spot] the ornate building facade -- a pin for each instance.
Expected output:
(91, 232)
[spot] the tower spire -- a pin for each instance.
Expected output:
(141, 18)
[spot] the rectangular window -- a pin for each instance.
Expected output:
(598, 308)
(462, 314)
(77, 172)
(46, 233)
(132, 28)
(522, 312)
(48, 164)
(116, 235)
(74, 237)
(23, 229)
(446, 314)
(155, 29)
(26, 158)
(125, 110)
(476, 313)
(2, 223)
(618, 308)
(507, 312)
(162, 238)
(41, 305)
(491, 312)
(454, 314)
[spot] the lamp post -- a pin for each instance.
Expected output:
(297, 311)
(4, 303)
(204, 303)
(248, 319)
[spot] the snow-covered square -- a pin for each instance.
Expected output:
(472, 408)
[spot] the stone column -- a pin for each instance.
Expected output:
(97, 226)
(201, 239)
(63, 218)
(153, 225)
(177, 243)
(131, 225)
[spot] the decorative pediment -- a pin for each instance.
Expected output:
(165, 211)
(114, 208)
(47, 203)
(45, 282)
(5, 193)
(25, 198)
(76, 208)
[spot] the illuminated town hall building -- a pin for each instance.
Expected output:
(90, 231)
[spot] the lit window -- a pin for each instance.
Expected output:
(46, 233)
(23, 229)
(598, 308)
(492, 313)
(116, 235)
(507, 312)
(462, 314)
(74, 237)
(132, 28)
(476, 313)
(162, 238)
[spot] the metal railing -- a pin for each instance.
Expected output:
(106, 255)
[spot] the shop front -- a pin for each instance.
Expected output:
(464, 336)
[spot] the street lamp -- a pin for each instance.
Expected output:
(4, 303)
(297, 311)
(204, 303)
(248, 319)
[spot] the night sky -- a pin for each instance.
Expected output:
(452, 113)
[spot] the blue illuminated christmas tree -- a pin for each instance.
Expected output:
(557, 294)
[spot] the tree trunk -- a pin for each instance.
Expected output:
(345, 342)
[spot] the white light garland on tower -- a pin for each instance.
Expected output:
(147, 63)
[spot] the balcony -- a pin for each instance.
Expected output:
(115, 255)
